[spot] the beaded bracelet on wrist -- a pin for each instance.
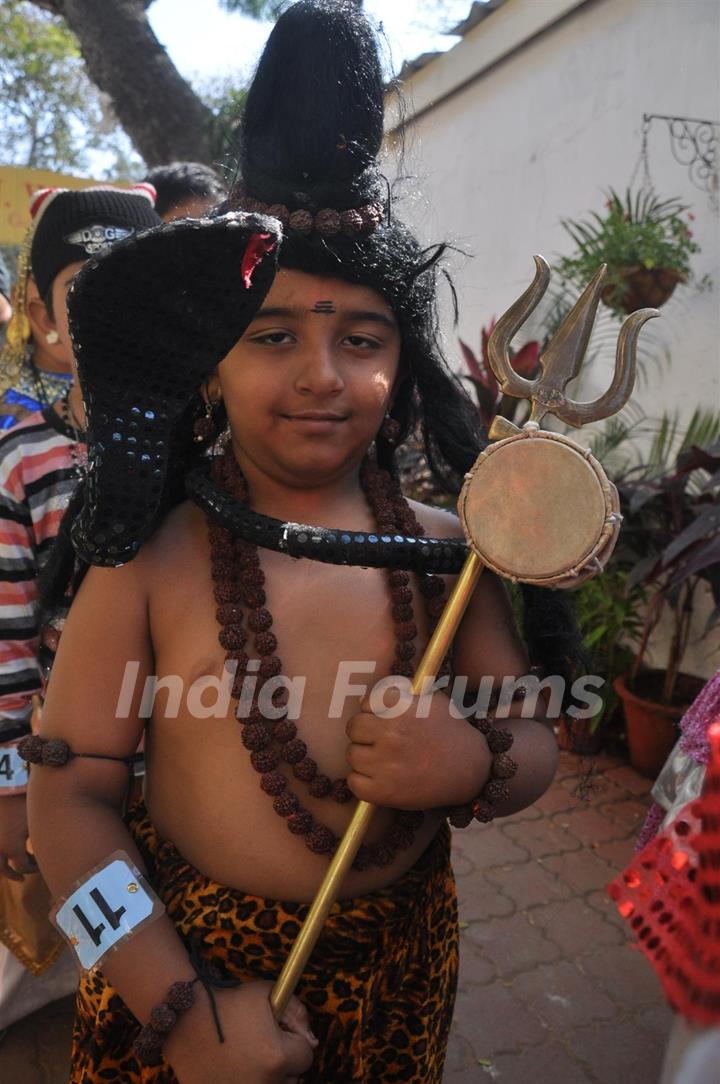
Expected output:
(148, 1044)
(496, 790)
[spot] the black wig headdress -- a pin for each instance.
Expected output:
(312, 126)
(311, 134)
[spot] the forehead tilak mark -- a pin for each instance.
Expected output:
(324, 307)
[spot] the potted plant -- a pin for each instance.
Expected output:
(669, 545)
(646, 243)
(609, 614)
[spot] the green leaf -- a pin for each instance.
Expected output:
(51, 112)
(256, 9)
(595, 636)
(260, 9)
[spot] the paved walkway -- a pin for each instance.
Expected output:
(550, 993)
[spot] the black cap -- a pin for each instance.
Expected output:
(72, 225)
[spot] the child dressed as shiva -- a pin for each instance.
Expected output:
(41, 460)
(277, 397)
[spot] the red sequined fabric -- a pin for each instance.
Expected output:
(670, 895)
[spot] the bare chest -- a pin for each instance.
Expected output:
(336, 636)
(334, 627)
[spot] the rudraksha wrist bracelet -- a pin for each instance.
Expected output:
(181, 997)
(148, 1044)
(496, 790)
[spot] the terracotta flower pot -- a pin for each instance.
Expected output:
(643, 288)
(652, 728)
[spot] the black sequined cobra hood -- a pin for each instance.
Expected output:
(150, 319)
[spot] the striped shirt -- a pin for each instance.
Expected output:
(37, 478)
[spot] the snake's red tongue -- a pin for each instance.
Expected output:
(259, 245)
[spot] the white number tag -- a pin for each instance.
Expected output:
(105, 909)
(13, 770)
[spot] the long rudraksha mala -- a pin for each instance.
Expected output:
(238, 583)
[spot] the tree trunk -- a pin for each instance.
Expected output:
(160, 112)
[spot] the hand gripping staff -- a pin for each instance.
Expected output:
(559, 525)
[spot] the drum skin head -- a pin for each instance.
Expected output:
(535, 507)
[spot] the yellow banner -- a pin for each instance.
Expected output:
(16, 187)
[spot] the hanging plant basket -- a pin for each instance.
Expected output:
(646, 243)
(642, 288)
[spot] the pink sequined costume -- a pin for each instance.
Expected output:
(694, 743)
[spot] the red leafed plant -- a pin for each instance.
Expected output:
(670, 541)
(415, 474)
(490, 399)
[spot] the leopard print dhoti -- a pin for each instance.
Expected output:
(380, 985)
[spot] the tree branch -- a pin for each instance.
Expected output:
(57, 7)
(53, 6)
(160, 112)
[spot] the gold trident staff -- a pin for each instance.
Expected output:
(531, 462)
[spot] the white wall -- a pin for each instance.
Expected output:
(539, 135)
(543, 133)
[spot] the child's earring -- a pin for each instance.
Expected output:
(390, 429)
(51, 338)
(204, 427)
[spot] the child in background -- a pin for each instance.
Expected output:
(185, 190)
(41, 461)
(34, 371)
(670, 896)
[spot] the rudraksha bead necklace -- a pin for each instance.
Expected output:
(238, 584)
